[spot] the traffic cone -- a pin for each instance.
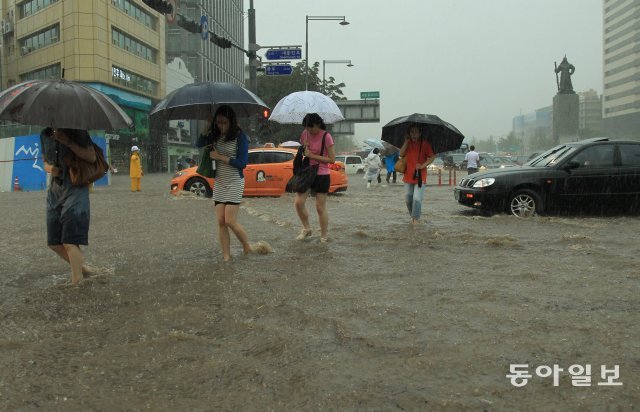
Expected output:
(16, 185)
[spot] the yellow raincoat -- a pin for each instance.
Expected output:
(135, 171)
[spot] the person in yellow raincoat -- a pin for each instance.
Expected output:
(135, 169)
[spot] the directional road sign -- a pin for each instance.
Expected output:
(284, 54)
(369, 95)
(278, 70)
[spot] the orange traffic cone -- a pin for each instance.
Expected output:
(16, 185)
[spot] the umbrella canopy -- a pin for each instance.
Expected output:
(62, 104)
(200, 100)
(289, 143)
(385, 148)
(375, 143)
(442, 135)
(292, 108)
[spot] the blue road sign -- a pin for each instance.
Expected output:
(284, 54)
(204, 23)
(278, 70)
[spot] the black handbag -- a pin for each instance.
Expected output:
(303, 173)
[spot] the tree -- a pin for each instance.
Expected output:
(273, 88)
(540, 141)
(510, 143)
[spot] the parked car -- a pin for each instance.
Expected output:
(437, 164)
(267, 173)
(352, 163)
(519, 160)
(577, 174)
(455, 161)
(488, 161)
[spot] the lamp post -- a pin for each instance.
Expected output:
(324, 62)
(343, 21)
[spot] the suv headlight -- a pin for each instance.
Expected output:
(487, 181)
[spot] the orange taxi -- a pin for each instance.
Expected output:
(268, 172)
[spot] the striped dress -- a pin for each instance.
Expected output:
(228, 186)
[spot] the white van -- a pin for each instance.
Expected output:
(352, 163)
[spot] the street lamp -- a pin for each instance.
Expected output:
(343, 22)
(324, 62)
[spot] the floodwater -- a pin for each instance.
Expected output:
(383, 317)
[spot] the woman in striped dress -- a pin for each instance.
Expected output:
(230, 153)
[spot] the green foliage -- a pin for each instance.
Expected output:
(273, 88)
(541, 141)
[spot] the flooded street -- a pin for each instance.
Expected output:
(382, 317)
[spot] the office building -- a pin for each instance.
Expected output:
(115, 46)
(192, 58)
(621, 54)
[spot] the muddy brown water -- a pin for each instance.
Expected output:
(383, 317)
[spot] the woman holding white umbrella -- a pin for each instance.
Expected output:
(319, 148)
(314, 110)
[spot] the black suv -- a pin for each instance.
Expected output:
(592, 171)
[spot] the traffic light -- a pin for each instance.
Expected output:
(265, 114)
(188, 24)
(160, 6)
(219, 41)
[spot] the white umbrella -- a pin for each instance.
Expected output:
(292, 108)
(289, 143)
(386, 148)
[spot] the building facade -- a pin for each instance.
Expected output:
(194, 58)
(528, 126)
(204, 60)
(621, 54)
(590, 112)
(115, 46)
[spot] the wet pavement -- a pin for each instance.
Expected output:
(384, 316)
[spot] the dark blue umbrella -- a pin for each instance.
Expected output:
(442, 135)
(200, 100)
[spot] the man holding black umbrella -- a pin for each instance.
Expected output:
(68, 208)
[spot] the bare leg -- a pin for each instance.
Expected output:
(323, 214)
(223, 232)
(301, 209)
(76, 259)
(231, 219)
(62, 252)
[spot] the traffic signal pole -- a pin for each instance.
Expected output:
(253, 81)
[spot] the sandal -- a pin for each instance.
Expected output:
(304, 233)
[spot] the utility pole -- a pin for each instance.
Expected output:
(253, 81)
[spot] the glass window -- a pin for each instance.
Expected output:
(595, 157)
(630, 154)
(254, 158)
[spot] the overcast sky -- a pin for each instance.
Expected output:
(474, 63)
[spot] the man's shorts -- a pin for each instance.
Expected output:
(68, 216)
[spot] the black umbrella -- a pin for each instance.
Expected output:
(442, 135)
(61, 104)
(199, 100)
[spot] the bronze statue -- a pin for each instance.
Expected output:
(565, 69)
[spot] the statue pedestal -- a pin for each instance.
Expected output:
(565, 117)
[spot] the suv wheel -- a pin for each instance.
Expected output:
(525, 203)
